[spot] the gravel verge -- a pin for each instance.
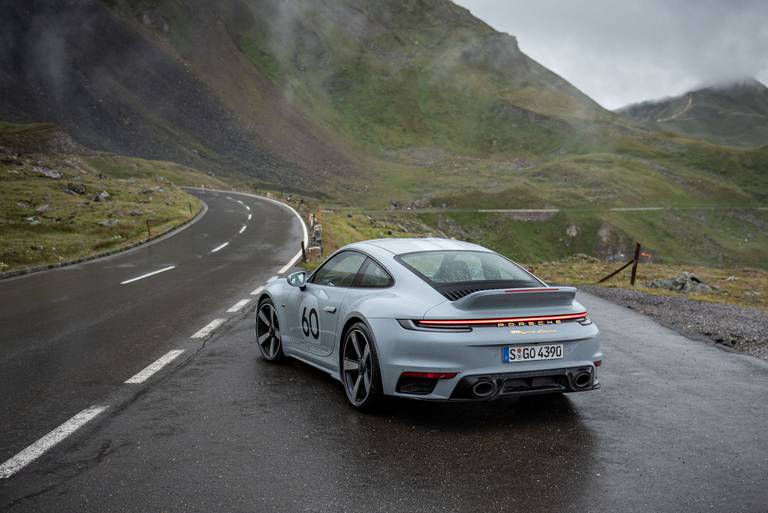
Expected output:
(736, 327)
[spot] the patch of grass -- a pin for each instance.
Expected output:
(47, 220)
(738, 286)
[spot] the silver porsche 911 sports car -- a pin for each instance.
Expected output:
(430, 319)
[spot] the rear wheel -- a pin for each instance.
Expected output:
(268, 332)
(360, 369)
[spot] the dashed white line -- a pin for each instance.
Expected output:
(248, 208)
(38, 448)
(148, 275)
(241, 202)
(242, 229)
(209, 328)
(219, 248)
(250, 216)
(158, 364)
(258, 291)
(237, 306)
(273, 278)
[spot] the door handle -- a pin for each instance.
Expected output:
(330, 309)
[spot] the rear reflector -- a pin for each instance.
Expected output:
(489, 322)
(429, 375)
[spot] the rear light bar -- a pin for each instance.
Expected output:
(429, 375)
(531, 321)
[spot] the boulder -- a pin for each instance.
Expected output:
(77, 188)
(684, 282)
(43, 209)
(50, 173)
(102, 196)
(109, 222)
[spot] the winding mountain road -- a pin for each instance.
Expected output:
(72, 336)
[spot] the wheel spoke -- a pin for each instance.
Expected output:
(356, 389)
(273, 347)
(272, 316)
(263, 337)
(367, 382)
(263, 318)
(350, 365)
(356, 344)
(366, 353)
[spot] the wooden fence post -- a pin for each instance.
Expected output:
(635, 261)
(303, 252)
(149, 230)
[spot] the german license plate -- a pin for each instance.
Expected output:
(512, 354)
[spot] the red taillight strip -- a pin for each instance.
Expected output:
(474, 322)
(429, 375)
(545, 289)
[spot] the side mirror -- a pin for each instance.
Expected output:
(297, 279)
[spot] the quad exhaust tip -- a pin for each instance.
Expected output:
(484, 389)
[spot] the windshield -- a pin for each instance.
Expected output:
(449, 267)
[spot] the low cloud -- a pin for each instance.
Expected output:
(629, 51)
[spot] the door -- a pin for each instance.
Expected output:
(320, 306)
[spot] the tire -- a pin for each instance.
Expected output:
(360, 371)
(268, 336)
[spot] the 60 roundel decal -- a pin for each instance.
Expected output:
(310, 324)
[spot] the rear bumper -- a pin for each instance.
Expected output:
(573, 379)
(477, 356)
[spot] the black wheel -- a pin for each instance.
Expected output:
(268, 332)
(360, 369)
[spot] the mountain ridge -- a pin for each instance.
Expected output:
(733, 113)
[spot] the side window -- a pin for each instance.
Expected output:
(373, 276)
(339, 271)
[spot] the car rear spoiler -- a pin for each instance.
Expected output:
(517, 298)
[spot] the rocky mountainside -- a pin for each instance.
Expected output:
(734, 114)
(288, 92)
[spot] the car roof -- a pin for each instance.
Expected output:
(400, 246)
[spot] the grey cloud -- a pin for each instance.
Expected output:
(621, 52)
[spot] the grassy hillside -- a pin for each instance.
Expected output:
(49, 211)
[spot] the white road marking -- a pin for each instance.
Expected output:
(158, 364)
(287, 266)
(250, 216)
(273, 278)
(305, 237)
(39, 448)
(230, 198)
(248, 208)
(241, 202)
(209, 328)
(237, 306)
(219, 248)
(258, 291)
(242, 229)
(148, 275)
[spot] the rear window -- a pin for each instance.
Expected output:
(451, 267)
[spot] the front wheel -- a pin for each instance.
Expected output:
(360, 369)
(268, 332)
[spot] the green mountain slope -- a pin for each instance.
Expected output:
(735, 114)
(403, 105)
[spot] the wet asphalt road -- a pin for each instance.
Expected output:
(679, 426)
(71, 336)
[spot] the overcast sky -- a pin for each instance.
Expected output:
(625, 51)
